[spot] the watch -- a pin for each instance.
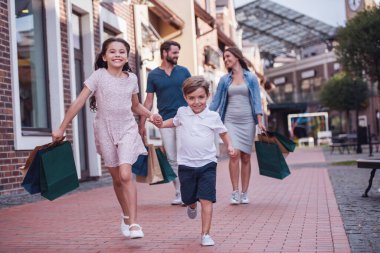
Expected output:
(354, 4)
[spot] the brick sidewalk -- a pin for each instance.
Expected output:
(297, 214)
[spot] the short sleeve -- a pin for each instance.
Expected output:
(150, 87)
(217, 124)
(177, 117)
(93, 80)
(135, 84)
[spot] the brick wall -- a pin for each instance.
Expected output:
(11, 160)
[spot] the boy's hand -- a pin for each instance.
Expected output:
(156, 119)
(231, 151)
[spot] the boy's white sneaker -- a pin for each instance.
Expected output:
(207, 240)
(124, 227)
(191, 212)
(235, 198)
(136, 233)
(177, 200)
(244, 198)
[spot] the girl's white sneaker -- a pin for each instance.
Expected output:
(207, 240)
(124, 227)
(136, 233)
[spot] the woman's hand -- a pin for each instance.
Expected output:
(262, 127)
(57, 135)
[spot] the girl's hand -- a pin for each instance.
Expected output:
(57, 134)
(262, 127)
(231, 151)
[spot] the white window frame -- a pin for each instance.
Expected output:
(54, 72)
(114, 21)
(83, 7)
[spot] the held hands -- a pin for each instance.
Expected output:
(156, 120)
(231, 151)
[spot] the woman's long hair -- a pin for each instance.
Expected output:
(99, 63)
(238, 54)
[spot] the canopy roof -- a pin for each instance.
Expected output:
(277, 29)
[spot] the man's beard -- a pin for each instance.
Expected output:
(171, 60)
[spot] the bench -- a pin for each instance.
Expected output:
(342, 146)
(307, 141)
(373, 164)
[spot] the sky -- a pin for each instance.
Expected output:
(331, 12)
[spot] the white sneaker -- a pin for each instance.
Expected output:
(178, 199)
(207, 240)
(124, 227)
(235, 198)
(191, 212)
(244, 198)
(135, 234)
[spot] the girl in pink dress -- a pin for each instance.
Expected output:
(116, 131)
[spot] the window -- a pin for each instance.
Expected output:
(109, 32)
(32, 63)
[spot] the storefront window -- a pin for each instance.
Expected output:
(32, 64)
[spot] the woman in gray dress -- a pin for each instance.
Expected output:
(238, 102)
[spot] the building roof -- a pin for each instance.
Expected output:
(277, 30)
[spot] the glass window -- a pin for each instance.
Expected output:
(109, 32)
(32, 64)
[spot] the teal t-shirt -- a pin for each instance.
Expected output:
(168, 89)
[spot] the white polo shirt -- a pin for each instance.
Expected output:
(196, 137)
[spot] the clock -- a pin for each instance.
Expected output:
(354, 4)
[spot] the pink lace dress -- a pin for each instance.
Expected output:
(116, 132)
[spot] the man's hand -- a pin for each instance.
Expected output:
(156, 119)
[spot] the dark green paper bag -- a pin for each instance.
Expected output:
(271, 161)
(58, 172)
(287, 143)
(166, 169)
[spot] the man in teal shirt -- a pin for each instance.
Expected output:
(166, 81)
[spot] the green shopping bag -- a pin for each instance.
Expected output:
(271, 161)
(287, 143)
(58, 174)
(166, 169)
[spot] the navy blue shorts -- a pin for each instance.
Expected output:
(198, 183)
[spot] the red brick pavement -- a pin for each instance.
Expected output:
(297, 214)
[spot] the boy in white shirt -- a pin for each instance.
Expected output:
(196, 154)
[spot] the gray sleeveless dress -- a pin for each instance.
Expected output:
(239, 119)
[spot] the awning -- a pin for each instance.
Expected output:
(222, 37)
(166, 14)
(203, 14)
(278, 30)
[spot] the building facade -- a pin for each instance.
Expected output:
(48, 50)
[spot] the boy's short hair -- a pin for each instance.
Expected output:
(191, 84)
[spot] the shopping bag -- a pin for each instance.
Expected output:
(286, 142)
(24, 169)
(140, 167)
(58, 174)
(167, 170)
(31, 181)
(154, 174)
(271, 162)
(264, 137)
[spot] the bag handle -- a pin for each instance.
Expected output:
(56, 142)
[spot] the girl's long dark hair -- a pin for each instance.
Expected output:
(99, 63)
(238, 54)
